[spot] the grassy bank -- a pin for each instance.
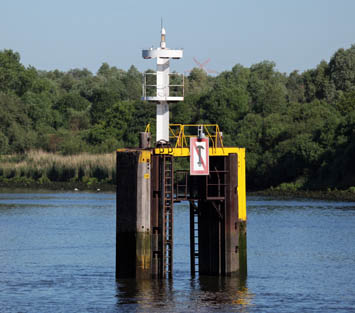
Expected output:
(42, 169)
(330, 194)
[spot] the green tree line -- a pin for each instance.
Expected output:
(298, 129)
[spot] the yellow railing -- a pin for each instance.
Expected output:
(181, 132)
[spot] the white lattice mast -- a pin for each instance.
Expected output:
(162, 93)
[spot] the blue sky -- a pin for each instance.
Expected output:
(67, 34)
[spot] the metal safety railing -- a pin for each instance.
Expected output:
(214, 186)
(150, 87)
(181, 132)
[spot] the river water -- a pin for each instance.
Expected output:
(57, 254)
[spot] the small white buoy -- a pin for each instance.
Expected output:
(76, 189)
(98, 189)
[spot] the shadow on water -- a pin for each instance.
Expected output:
(201, 294)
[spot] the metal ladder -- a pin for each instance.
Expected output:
(194, 238)
(166, 219)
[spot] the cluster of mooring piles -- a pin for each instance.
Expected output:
(148, 187)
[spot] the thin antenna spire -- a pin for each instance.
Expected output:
(162, 38)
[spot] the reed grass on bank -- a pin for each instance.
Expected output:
(44, 167)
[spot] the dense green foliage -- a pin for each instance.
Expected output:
(298, 129)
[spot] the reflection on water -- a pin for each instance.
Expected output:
(204, 294)
(57, 254)
(224, 291)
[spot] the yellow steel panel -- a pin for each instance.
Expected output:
(224, 151)
(144, 156)
(176, 152)
(242, 202)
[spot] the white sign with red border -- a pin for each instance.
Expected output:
(199, 158)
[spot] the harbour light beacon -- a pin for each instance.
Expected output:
(163, 87)
(148, 186)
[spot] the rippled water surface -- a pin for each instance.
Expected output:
(57, 254)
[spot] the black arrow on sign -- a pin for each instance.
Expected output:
(199, 148)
